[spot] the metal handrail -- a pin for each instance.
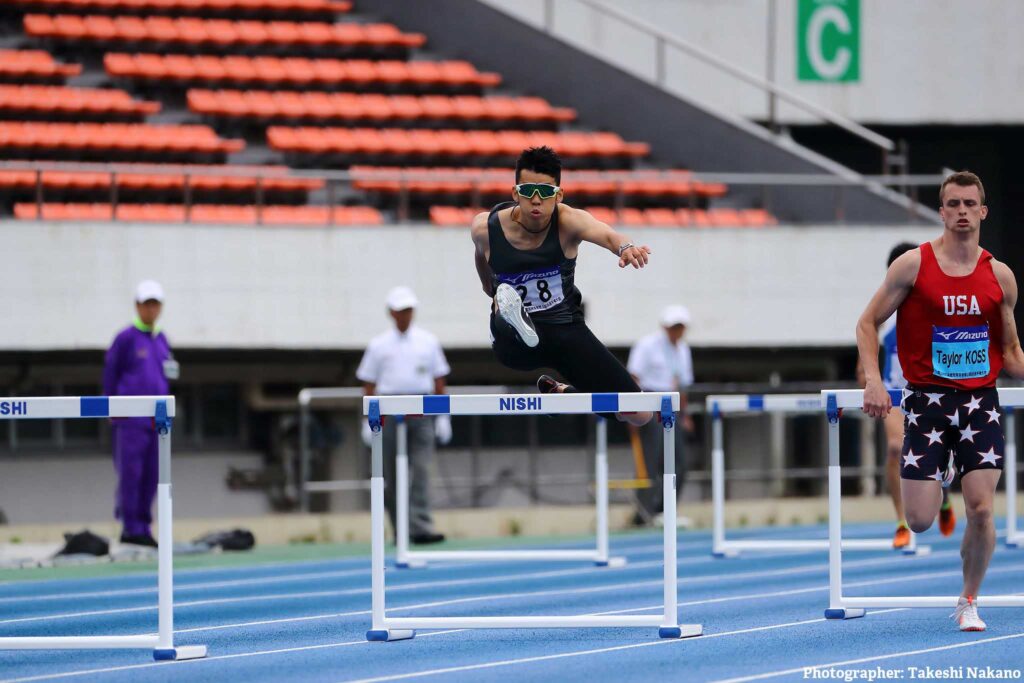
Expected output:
(662, 39)
(771, 179)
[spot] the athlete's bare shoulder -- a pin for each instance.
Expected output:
(1004, 274)
(478, 228)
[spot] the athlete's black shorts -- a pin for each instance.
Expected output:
(570, 348)
(940, 420)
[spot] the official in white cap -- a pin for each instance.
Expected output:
(662, 361)
(408, 360)
(138, 363)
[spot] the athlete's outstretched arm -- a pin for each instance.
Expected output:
(897, 284)
(586, 228)
(480, 243)
(1013, 356)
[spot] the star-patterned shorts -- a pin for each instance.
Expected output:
(940, 420)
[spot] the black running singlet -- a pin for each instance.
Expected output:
(544, 277)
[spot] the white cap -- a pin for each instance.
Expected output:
(149, 289)
(401, 298)
(675, 315)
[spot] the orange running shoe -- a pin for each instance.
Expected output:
(947, 520)
(902, 537)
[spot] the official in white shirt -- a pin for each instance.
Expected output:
(662, 361)
(408, 360)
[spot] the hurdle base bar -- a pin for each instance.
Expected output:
(1015, 541)
(734, 548)
(103, 643)
(179, 653)
(681, 631)
(411, 624)
(387, 635)
(937, 602)
(844, 613)
(420, 558)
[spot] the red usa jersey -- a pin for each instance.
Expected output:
(949, 328)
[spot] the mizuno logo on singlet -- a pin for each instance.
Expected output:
(963, 336)
(958, 305)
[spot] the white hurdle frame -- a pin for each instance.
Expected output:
(405, 558)
(386, 628)
(162, 410)
(842, 607)
(749, 404)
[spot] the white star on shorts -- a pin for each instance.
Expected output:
(968, 434)
(934, 398)
(993, 416)
(973, 404)
(912, 418)
(954, 418)
(935, 436)
(910, 460)
(937, 476)
(990, 457)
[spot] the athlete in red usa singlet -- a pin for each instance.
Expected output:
(954, 334)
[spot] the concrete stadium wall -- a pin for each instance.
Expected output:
(921, 61)
(70, 286)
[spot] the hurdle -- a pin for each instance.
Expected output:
(376, 408)
(161, 409)
(718, 406)
(843, 607)
(406, 559)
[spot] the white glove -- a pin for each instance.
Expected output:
(443, 429)
(367, 433)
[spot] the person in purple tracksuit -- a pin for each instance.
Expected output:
(138, 363)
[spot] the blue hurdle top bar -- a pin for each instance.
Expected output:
(1009, 397)
(525, 404)
(68, 407)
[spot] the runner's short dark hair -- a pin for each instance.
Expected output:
(540, 160)
(899, 250)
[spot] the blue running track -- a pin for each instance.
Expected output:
(305, 621)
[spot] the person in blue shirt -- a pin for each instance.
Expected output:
(138, 363)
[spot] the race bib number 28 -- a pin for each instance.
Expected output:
(539, 289)
(960, 352)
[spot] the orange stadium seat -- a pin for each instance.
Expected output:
(445, 145)
(439, 185)
(204, 183)
(266, 71)
(260, 8)
(35, 66)
(223, 33)
(203, 213)
(43, 101)
(102, 140)
(406, 109)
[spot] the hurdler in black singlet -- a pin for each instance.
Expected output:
(544, 277)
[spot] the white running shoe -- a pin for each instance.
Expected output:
(512, 311)
(966, 615)
(950, 474)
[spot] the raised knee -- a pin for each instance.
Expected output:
(918, 523)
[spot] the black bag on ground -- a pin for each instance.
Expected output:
(236, 539)
(84, 543)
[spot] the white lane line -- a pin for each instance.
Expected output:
(872, 658)
(279, 578)
(183, 587)
(583, 653)
(430, 585)
(216, 658)
(286, 650)
(607, 587)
